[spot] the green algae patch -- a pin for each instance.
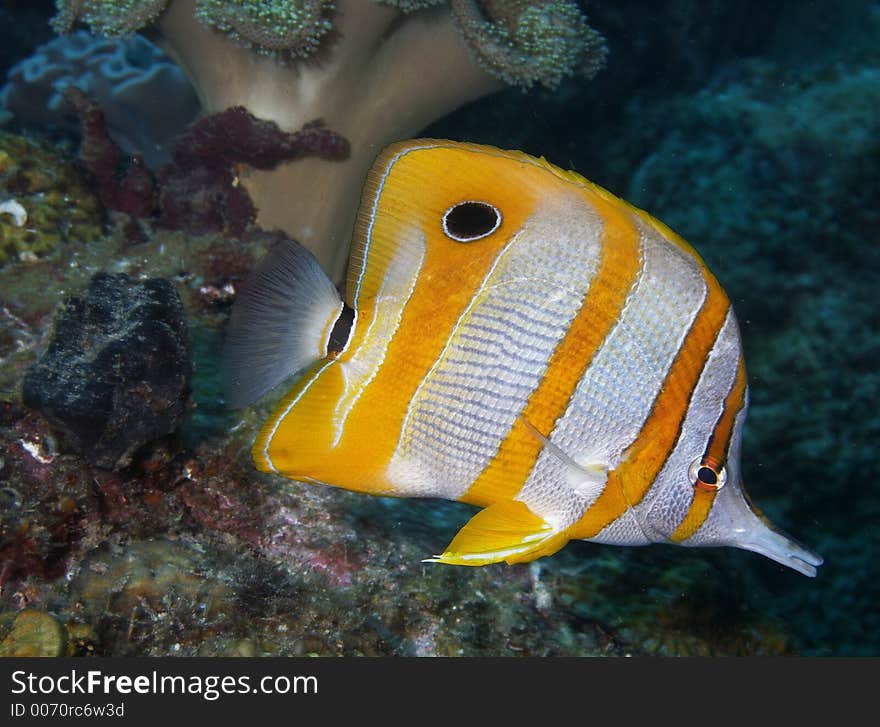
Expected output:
(32, 633)
(54, 195)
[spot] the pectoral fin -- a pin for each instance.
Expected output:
(506, 531)
(587, 480)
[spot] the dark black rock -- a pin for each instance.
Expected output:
(116, 373)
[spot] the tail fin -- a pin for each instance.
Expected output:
(281, 323)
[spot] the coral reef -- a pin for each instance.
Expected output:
(124, 76)
(409, 6)
(236, 136)
(47, 501)
(55, 197)
(116, 373)
(688, 607)
(122, 591)
(379, 76)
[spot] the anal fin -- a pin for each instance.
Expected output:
(506, 531)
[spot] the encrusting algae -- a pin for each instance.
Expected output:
(52, 196)
(32, 633)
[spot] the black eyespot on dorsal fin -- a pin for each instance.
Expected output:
(471, 220)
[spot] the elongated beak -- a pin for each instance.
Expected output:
(782, 548)
(752, 530)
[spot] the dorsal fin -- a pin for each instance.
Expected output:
(280, 323)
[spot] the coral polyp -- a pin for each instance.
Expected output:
(525, 43)
(522, 42)
(107, 17)
(296, 27)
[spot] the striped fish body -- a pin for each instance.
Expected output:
(516, 338)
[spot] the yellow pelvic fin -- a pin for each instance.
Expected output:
(506, 531)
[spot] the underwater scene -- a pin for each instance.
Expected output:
(250, 248)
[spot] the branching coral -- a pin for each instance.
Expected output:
(198, 192)
(384, 71)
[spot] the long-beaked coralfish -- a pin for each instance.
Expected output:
(514, 337)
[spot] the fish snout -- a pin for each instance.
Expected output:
(781, 547)
(750, 529)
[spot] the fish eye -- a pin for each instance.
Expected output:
(470, 220)
(707, 473)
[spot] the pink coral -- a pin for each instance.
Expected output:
(198, 192)
(130, 191)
